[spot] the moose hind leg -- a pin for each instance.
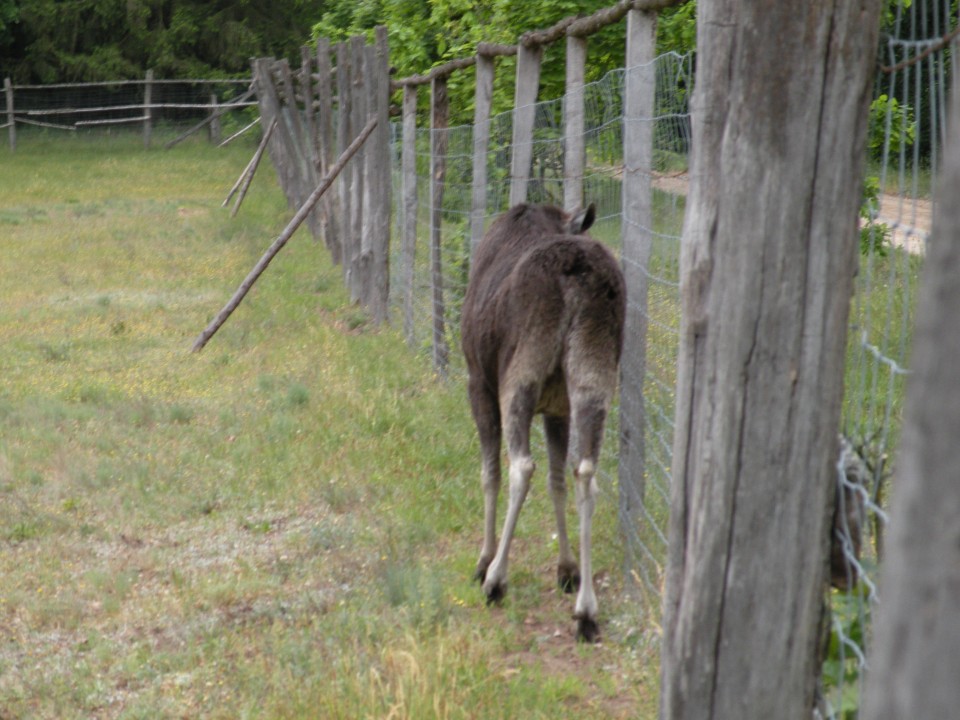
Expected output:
(557, 431)
(486, 413)
(520, 405)
(589, 417)
(586, 608)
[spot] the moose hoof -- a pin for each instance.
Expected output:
(481, 574)
(496, 594)
(568, 577)
(587, 630)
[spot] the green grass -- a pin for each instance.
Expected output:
(283, 525)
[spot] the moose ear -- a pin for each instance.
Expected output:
(582, 220)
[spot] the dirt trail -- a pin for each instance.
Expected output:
(909, 218)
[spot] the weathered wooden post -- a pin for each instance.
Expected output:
(573, 123)
(358, 110)
(329, 204)
(408, 207)
(768, 257)
(303, 169)
(214, 119)
(375, 232)
(636, 228)
(439, 114)
(483, 100)
(147, 109)
(282, 144)
(524, 116)
(344, 115)
(381, 177)
(913, 661)
(305, 79)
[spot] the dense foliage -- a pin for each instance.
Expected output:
(84, 40)
(45, 41)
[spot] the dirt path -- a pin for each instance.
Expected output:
(909, 218)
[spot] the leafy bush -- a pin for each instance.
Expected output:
(888, 113)
(874, 235)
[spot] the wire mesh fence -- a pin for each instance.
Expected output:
(907, 122)
(906, 137)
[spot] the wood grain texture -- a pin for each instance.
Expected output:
(767, 262)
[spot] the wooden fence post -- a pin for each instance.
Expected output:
(370, 183)
(768, 256)
(524, 116)
(408, 208)
(381, 177)
(309, 112)
(303, 168)
(214, 119)
(573, 123)
(281, 146)
(329, 204)
(344, 113)
(439, 114)
(11, 119)
(147, 109)
(481, 142)
(636, 228)
(913, 659)
(358, 110)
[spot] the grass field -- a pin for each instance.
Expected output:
(283, 525)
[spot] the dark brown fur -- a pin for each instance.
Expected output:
(542, 331)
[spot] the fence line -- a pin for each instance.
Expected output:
(459, 176)
(74, 106)
(471, 173)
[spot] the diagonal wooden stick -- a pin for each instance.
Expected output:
(247, 175)
(287, 233)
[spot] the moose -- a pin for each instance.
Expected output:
(542, 332)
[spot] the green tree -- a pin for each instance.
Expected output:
(51, 40)
(9, 12)
(424, 34)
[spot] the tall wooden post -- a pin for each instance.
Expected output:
(329, 204)
(481, 142)
(524, 116)
(302, 167)
(11, 120)
(573, 123)
(913, 662)
(636, 228)
(768, 257)
(214, 119)
(147, 109)
(344, 114)
(358, 111)
(408, 207)
(309, 106)
(380, 285)
(439, 114)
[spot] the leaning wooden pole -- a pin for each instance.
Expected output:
(243, 182)
(287, 233)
